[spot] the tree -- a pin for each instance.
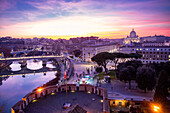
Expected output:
(127, 74)
(118, 56)
(42, 48)
(145, 78)
(99, 69)
(6, 51)
(102, 59)
(161, 92)
(135, 55)
(77, 53)
(134, 63)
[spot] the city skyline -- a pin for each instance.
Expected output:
(74, 18)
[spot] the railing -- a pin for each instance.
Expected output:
(32, 96)
(29, 57)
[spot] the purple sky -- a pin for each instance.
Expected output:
(69, 18)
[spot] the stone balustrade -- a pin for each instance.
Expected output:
(35, 94)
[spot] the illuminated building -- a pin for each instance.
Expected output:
(132, 38)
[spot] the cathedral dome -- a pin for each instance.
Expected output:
(133, 34)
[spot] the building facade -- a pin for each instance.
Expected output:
(131, 38)
(127, 49)
(90, 51)
(154, 54)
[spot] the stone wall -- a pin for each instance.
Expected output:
(35, 94)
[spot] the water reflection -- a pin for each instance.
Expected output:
(34, 65)
(15, 66)
(16, 87)
(50, 65)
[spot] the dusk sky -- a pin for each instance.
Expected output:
(72, 18)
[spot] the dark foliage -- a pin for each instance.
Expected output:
(77, 52)
(145, 78)
(99, 69)
(161, 92)
(6, 51)
(102, 59)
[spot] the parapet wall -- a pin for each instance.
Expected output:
(27, 99)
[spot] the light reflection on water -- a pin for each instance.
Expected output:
(34, 65)
(15, 87)
(50, 65)
(15, 66)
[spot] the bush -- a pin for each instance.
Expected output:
(99, 69)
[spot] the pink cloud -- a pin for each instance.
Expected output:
(4, 5)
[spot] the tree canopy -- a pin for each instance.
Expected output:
(102, 59)
(127, 74)
(77, 52)
(145, 78)
(161, 92)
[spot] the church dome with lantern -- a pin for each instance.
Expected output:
(132, 38)
(133, 34)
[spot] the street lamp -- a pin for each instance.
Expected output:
(156, 108)
(39, 90)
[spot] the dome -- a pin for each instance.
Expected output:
(133, 34)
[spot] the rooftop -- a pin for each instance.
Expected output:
(54, 103)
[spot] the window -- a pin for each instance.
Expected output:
(89, 55)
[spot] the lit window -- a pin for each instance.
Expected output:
(157, 49)
(146, 49)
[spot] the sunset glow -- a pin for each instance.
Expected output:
(72, 18)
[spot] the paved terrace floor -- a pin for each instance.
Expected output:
(54, 103)
(121, 88)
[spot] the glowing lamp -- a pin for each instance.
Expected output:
(39, 89)
(88, 92)
(34, 100)
(156, 108)
(52, 93)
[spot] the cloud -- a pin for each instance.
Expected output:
(58, 17)
(5, 4)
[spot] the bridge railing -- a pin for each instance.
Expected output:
(30, 57)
